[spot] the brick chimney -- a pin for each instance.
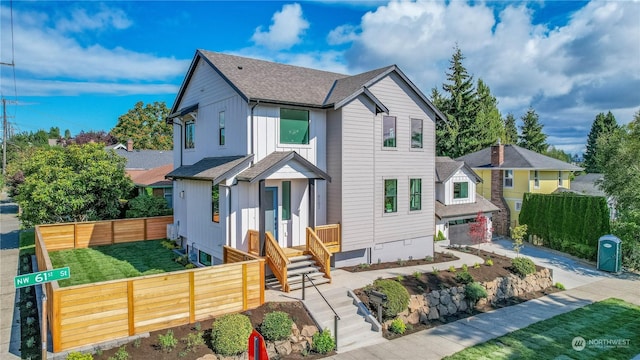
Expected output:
(130, 145)
(501, 219)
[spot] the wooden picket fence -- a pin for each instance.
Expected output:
(93, 313)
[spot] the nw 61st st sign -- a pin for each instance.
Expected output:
(41, 277)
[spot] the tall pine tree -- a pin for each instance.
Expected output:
(455, 137)
(510, 130)
(489, 124)
(603, 125)
(531, 135)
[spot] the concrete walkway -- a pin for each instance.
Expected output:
(9, 315)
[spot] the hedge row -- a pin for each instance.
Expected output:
(567, 222)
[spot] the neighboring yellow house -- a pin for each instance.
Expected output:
(509, 171)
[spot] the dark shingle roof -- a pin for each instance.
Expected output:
(146, 159)
(516, 157)
(274, 161)
(446, 167)
(346, 86)
(212, 168)
(448, 211)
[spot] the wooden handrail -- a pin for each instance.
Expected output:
(232, 255)
(254, 242)
(277, 260)
(319, 251)
(329, 235)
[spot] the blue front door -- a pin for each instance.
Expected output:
(271, 211)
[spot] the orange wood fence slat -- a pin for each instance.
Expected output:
(92, 313)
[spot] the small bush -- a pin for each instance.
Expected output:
(464, 277)
(559, 285)
(476, 266)
(276, 326)
(435, 270)
(121, 354)
(229, 334)
(79, 356)
(440, 236)
(137, 342)
(523, 266)
(397, 296)
(452, 269)
(322, 342)
(474, 292)
(192, 340)
(489, 262)
(397, 326)
(428, 258)
(465, 268)
(417, 274)
(364, 266)
(167, 342)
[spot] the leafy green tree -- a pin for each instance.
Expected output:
(54, 133)
(489, 124)
(147, 206)
(555, 153)
(531, 135)
(67, 134)
(602, 125)
(146, 126)
(74, 183)
(510, 130)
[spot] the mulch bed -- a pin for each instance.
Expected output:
(438, 258)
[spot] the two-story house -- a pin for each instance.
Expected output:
(267, 148)
(457, 202)
(510, 171)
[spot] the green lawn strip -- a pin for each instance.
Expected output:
(611, 319)
(27, 242)
(113, 262)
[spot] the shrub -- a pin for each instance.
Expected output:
(229, 334)
(192, 340)
(276, 326)
(397, 296)
(452, 269)
(474, 292)
(523, 266)
(464, 277)
(147, 206)
(323, 342)
(435, 270)
(167, 342)
(79, 356)
(417, 274)
(559, 285)
(465, 268)
(489, 262)
(476, 265)
(121, 354)
(397, 326)
(440, 236)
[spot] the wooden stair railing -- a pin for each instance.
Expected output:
(277, 260)
(330, 236)
(254, 242)
(320, 253)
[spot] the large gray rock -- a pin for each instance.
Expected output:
(283, 347)
(308, 331)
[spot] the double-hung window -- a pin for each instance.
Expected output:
(536, 179)
(215, 203)
(416, 133)
(415, 194)
(189, 135)
(389, 131)
(508, 178)
(221, 128)
(390, 196)
(204, 258)
(294, 126)
(560, 182)
(460, 190)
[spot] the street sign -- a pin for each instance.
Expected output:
(41, 277)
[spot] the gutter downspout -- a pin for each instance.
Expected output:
(251, 136)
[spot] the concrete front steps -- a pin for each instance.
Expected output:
(353, 330)
(303, 264)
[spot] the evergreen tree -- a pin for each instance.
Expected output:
(460, 108)
(488, 119)
(67, 134)
(447, 129)
(532, 137)
(510, 130)
(601, 126)
(558, 154)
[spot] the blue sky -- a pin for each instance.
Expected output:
(80, 65)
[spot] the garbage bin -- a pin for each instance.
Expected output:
(609, 253)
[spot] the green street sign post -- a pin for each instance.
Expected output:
(41, 277)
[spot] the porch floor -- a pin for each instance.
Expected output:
(294, 251)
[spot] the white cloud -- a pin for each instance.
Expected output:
(32, 87)
(48, 54)
(568, 73)
(285, 31)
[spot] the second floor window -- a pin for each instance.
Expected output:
(416, 133)
(415, 195)
(560, 182)
(508, 178)
(189, 135)
(221, 127)
(294, 126)
(390, 196)
(215, 203)
(460, 190)
(389, 131)
(536, 179)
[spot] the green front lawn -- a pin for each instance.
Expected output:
(611, 319)
(113, 262)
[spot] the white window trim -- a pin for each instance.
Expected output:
(222, 111)
(384, 197)
(560, 179)
(411, 148)
(504, 179)
(395, 130)
(409, 211)
(518, 205)
(294, 146)
(536, 179)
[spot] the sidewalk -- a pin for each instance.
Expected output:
(9, 316)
